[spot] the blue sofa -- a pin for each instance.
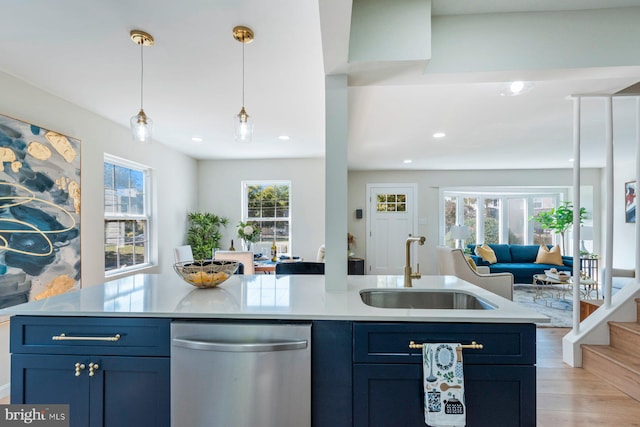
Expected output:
(519, 260)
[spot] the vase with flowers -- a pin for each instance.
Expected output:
(249, 233)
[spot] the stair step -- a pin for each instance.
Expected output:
(617, 367)
(625, 336)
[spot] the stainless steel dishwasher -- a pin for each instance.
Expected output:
(244, 375)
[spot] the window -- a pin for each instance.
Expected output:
(391, 203)
(126, 215)
(497, 217)
(268, 205)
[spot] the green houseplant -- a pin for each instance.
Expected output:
(204, 233)
(559, 220)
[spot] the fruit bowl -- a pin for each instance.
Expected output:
(205, 273)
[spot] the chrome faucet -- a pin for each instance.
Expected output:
(408, 275)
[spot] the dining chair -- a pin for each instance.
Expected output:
(302, 267)
(244, 257)
(183, 254)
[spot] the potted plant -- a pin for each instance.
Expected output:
(204, 233)
(559, 220)
(248, 232)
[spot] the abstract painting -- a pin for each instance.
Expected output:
(630, 201)
(39, 212)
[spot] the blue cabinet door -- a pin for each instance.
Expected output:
(387, 395)
(124, 391)
(133, 391)
(39, 379)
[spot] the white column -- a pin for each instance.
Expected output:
(336, 188)
(576, 214)
(608, 247)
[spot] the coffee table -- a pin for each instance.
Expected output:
(544, 282)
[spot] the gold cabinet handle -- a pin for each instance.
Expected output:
(64, 337)
(79, 368)
(93, 367)
(474, 345)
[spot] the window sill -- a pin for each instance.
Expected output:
(141, 269)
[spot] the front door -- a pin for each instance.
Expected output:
(391, 219)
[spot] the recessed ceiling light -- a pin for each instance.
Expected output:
(196, 139)
(515, 88)
(284, 137)
(572, 159)
(439, 135)
(408, 161)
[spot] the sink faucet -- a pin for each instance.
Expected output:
(408, 275)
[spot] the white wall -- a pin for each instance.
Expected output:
(175, 175)
(429, 184)
(220, 192)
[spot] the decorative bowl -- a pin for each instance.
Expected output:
(205, 273)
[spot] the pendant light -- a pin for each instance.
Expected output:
(141, 124)
(243, 124)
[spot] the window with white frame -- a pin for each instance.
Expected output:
(126, 215)
(498, 217)
(267, 204)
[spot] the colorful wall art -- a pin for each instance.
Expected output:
(630, 201)
(39, 212)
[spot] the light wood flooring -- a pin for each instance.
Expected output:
(575, 397)
(572, 397)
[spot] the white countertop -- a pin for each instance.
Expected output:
(266, 297)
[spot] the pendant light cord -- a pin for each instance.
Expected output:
(141, 74)
(243, 43)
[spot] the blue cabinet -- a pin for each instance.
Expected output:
(106, 381)
(500, 380)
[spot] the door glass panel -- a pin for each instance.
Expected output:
(492, 221)
(470, 216)
(450, 204)
(540, 236)
(516, 218)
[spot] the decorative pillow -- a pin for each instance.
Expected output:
(471, 262)
(546, 256)
(486, 253)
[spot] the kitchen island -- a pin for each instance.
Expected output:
(363, 371)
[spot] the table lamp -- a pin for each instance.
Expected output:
(586, 233)
(459, 233)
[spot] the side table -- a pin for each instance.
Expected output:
(590, 267)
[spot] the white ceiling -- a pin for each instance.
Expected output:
(80, 51)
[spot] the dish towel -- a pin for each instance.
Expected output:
(443, 385)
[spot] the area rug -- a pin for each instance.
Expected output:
(558, 310)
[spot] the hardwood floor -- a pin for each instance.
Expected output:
(572, 397)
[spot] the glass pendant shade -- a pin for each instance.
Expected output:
(243, 125)
(141, 127)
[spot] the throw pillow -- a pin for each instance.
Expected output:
(471, 263)
(546, 256)
(486, 253)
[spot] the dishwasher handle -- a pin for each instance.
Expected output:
(201, 344)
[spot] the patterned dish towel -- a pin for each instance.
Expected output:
(443, 385)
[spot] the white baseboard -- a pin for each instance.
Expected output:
(5, 390)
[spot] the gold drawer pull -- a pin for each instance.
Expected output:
(64, 337)
(474, 345)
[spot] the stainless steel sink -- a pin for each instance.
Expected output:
(424, 299)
